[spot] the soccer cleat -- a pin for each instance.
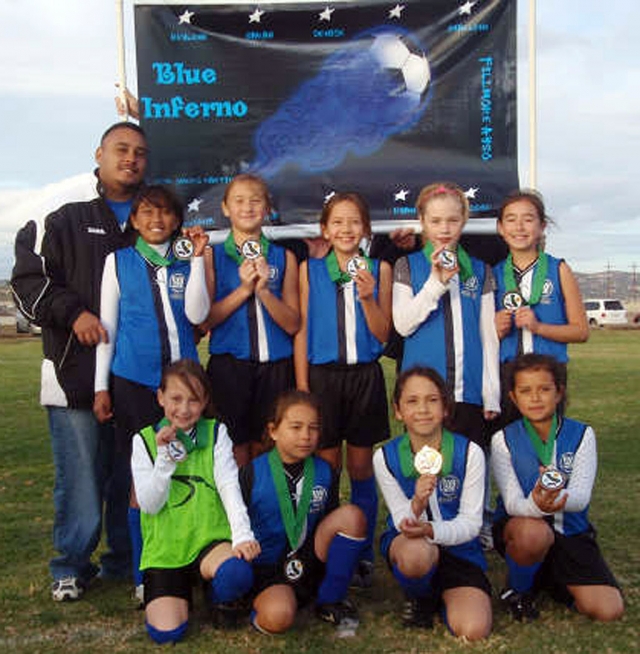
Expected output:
(230, 615)
(67, 589)
(343, 615)
(418, 612)
(363, 575)
(521, 605)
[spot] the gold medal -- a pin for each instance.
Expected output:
(428, 461)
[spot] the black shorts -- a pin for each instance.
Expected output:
(571, 561)
(174, 582)
(468, 420)
(244, 393)
(305, 588)
(135, 406)
(353, 399)
(453, 572)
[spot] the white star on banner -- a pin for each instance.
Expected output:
(466, 8)
(255, 16)
(326, 14)
(194, 205)
(396, 11)
(401, 195)
(470, 193)
(186, 17)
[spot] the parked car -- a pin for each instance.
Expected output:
(603, 311)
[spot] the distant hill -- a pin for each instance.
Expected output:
(610, 283)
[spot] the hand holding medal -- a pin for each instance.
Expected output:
(191, 243)
(444, 261)
(547, 491)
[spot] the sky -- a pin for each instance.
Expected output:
(59, 68)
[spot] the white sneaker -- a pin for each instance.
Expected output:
(138, 595)
(66, 589)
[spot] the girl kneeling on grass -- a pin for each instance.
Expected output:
(194, 522)
(431, 542)
(310, 548)
(544, 465)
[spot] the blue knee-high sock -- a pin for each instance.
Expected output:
(232, 580)
(342, 558)
(365, 496)
(171, 636)
(135, 535)
(521, 576)
(414, 587)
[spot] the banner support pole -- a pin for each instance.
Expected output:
(122, 74)
(533, 153)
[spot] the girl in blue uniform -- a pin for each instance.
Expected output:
(544, 533)
(194, 522)
(550, 312)
(431, 542)
(443, 306)
(254, 314)
(310, 547)
(150, 302)
(345, 301)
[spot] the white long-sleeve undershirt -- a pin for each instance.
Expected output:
(196, 306)
(461, 529)
(579, 488)
(152, 480)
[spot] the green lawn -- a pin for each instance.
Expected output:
(604, 390)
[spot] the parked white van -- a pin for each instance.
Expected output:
(605, 312)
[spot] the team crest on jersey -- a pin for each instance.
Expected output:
(566, 462)
(274, 274)
(449, 486)
(547, 291)
(318, 499)
(177, 283)
(470, 286)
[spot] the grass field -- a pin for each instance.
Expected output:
(604, 390)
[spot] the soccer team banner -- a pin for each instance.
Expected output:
(376, 97)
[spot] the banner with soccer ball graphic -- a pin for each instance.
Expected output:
(374, 97)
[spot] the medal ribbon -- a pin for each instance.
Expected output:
(539, 275)
(150, 254)
(233, 251)
(293, 520)
(464, 260)
(185, 439)
(543, 449)
(341, 276)
(406, 455)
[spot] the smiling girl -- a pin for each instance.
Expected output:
(194, 522)
(253, 316)
(345, 299)
(431, 542)
(541, 522)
